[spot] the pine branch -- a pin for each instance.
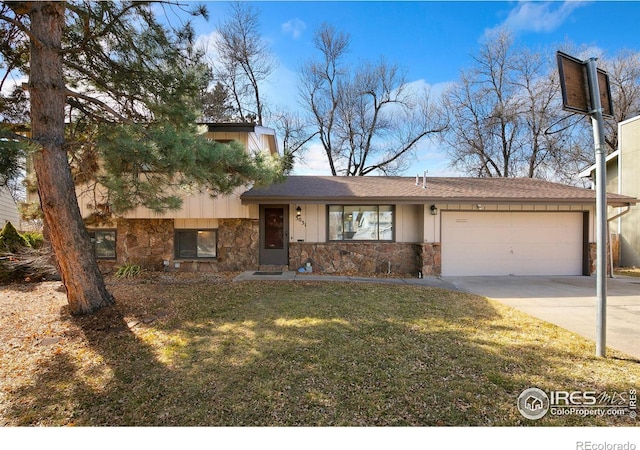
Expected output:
(100, 103)
(19, 25)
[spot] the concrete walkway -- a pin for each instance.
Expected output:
(252, 275)
(569, 302)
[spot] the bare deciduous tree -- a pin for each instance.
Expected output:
(507, 118)
(294, 132)
(367, 118)
(245, 61)
(624, 77)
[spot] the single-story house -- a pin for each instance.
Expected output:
(623, 176)
(437, 226)
(434, 226)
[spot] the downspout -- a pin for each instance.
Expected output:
(611, 219)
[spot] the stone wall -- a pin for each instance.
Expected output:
(147, 242)
(431, 259)
(356, 257)
(238, 244)
(593, 256)
(150, 242)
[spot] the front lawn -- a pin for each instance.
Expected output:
(219, 353)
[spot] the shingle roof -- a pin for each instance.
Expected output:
(327, 189)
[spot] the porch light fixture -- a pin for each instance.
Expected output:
(299, 215)
(434, 210)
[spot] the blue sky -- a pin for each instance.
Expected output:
(431, 40)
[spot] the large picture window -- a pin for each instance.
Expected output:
(361, 223)
(104, 243)
(192, 244)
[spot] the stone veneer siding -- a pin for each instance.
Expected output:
(356, 257)
(238, 244)
(147, 242)
(431, 259)
(593, 257)
(150, 242)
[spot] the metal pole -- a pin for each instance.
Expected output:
(601, 209)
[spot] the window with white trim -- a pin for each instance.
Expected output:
(361, 223)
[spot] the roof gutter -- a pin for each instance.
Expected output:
(616, 203)
(611, 219)
(626, 211)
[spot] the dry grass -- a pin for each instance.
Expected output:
(627, 271)
(216, 353)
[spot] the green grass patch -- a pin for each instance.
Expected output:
(312, 354)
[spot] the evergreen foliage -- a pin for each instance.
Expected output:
(114, 96)
(34, 239)
(134, 100)
(12, 155)
(217, 106)
(10, 240)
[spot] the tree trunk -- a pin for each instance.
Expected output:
(86, 291)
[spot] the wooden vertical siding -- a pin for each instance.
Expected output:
(201, 205)
(629, 184)
(8, 210)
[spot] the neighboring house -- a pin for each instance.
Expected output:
(8, 209)
(436, 226)
(623, 177)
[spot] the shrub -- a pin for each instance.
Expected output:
(128, 270)
(33, 238)
(11, 241)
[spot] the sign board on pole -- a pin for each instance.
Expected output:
(575, 87)
(585, 89)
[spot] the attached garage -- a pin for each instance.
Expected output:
(439, 226)
(512, 243)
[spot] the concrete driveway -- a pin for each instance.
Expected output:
(569, 302)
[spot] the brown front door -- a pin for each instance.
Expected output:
(274, 235)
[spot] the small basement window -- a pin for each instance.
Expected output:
(194, 244)
(104, 243)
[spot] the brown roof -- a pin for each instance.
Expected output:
(327, 189)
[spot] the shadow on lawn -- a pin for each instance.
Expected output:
(303, 354)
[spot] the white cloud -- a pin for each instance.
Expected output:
(431, 156)
(540, 17)
(294, 27)
(419, 87)
(14, 79)
(208, 42)
(314, 162)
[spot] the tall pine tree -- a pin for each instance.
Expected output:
(114, 100)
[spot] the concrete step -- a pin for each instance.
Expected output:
(273, 268)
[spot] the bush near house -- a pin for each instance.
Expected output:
(11, 241)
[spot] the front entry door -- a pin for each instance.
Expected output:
(274, 235)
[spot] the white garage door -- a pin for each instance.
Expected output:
(511, 243)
